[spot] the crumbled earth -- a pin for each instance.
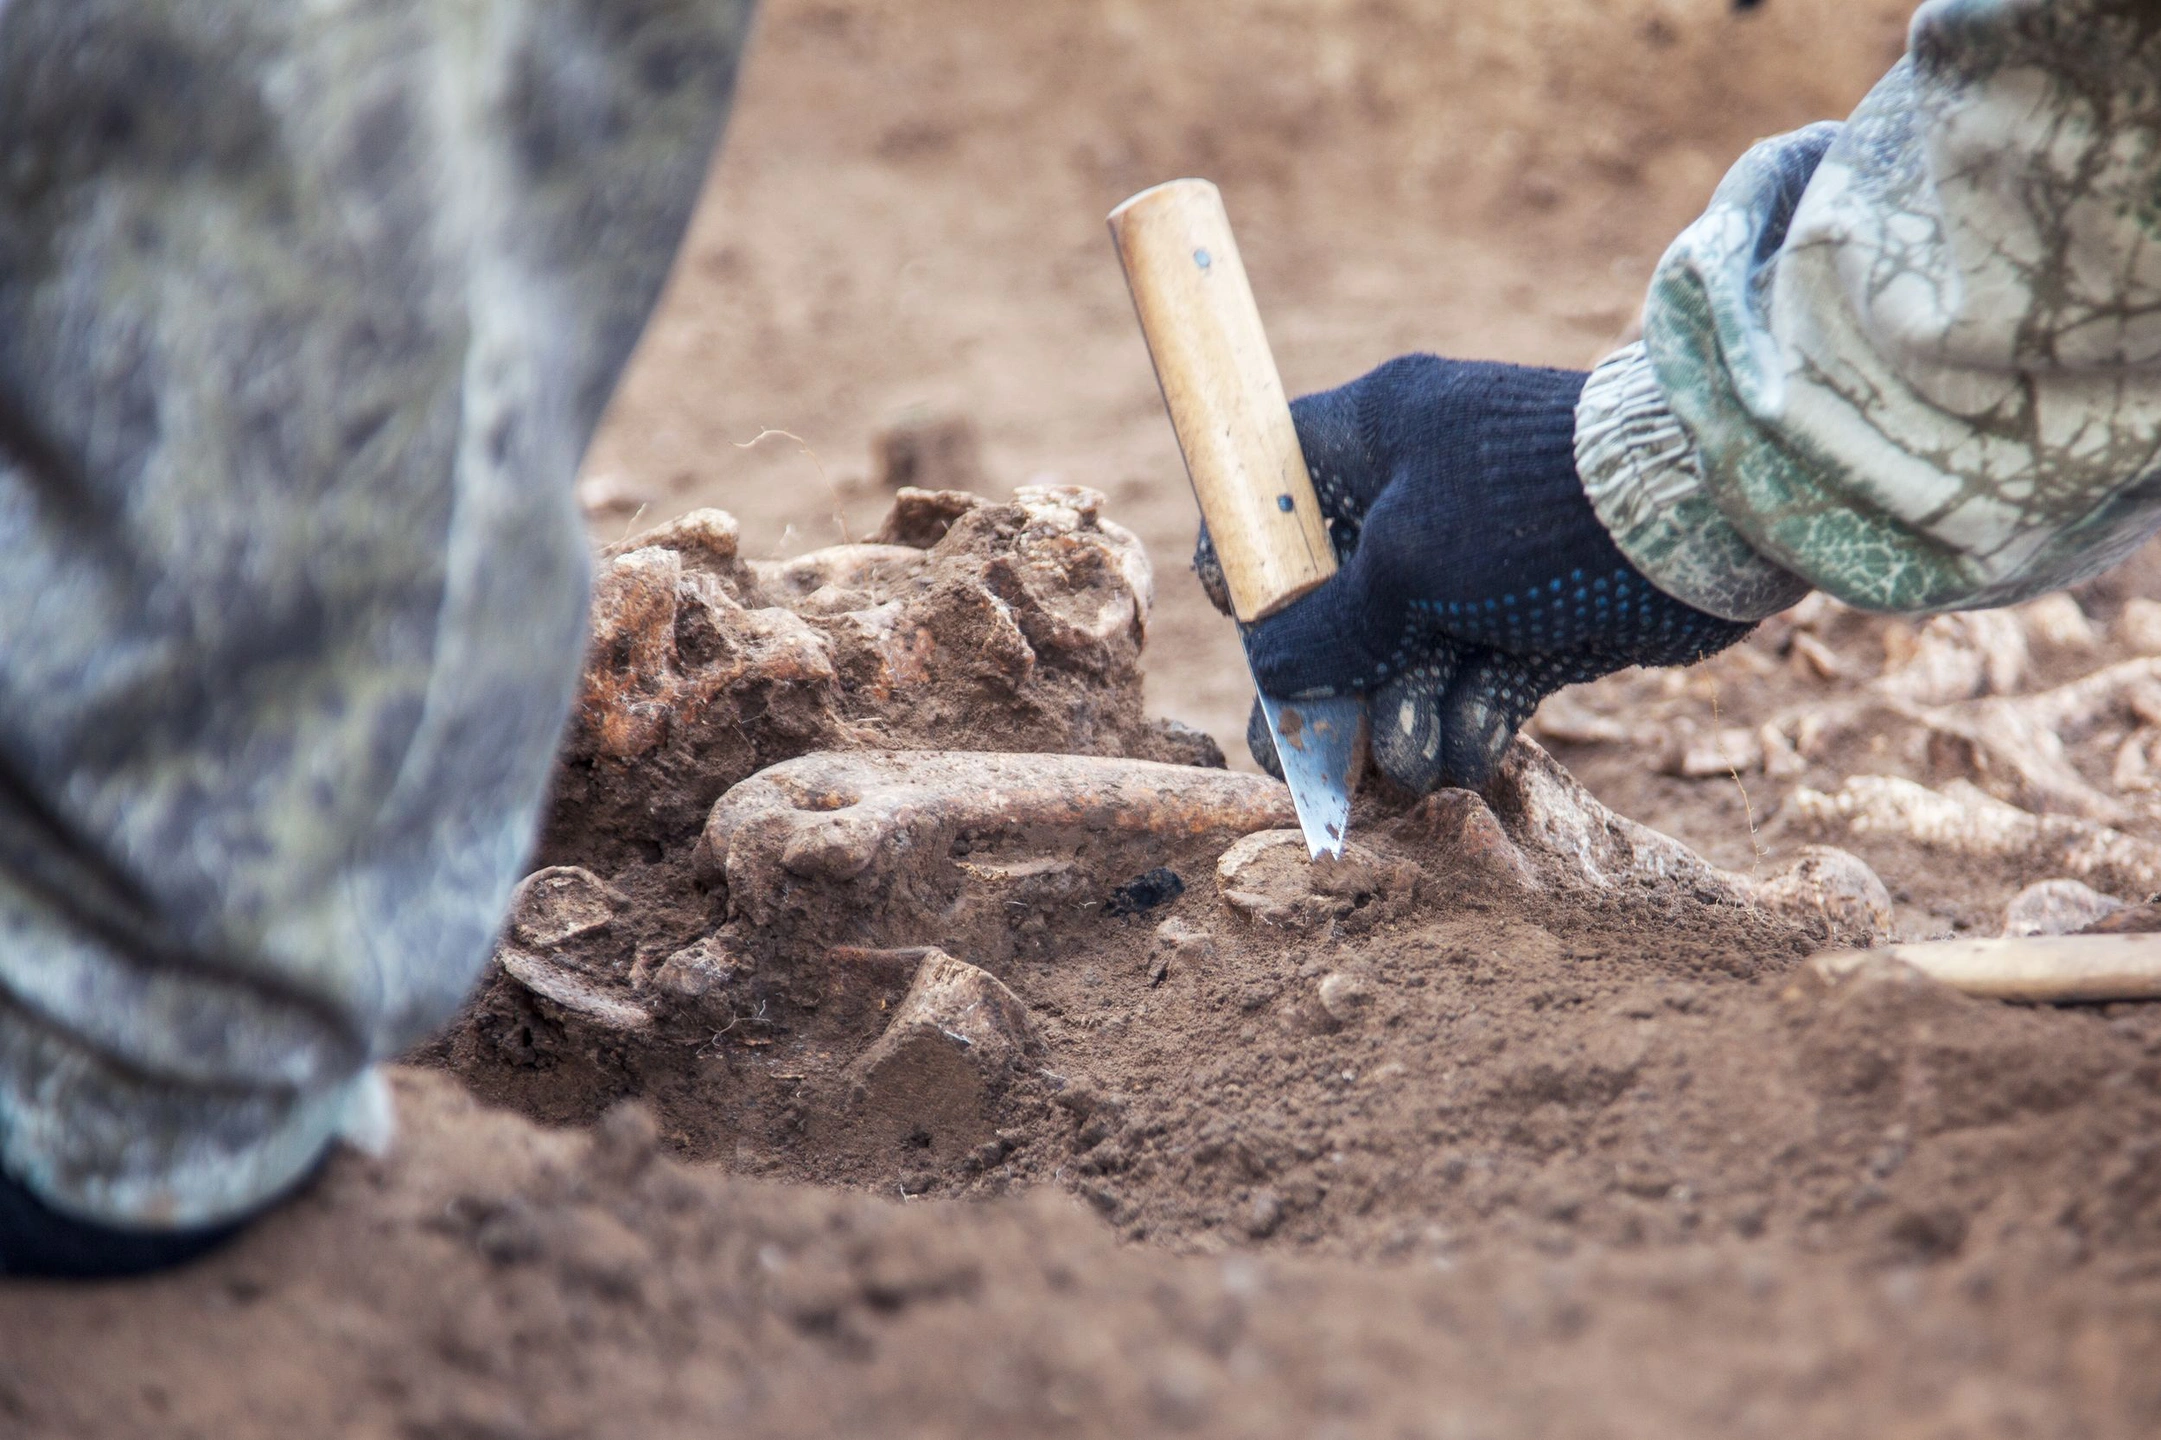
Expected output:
(898, 1091)
(961, 624)
(491, 1279)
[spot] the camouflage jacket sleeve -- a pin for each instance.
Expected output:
(1913, 360)
(306, 315)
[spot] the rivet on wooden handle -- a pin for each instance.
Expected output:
(1225, 398)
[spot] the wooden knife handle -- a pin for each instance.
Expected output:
(1226, 400)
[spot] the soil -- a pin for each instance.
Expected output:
(891, 1092)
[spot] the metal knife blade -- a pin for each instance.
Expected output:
(1322, 747)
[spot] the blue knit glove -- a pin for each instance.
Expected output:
(1476, 580)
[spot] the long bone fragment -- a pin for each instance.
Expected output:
(2036, 969)
(910, 847)
(899, 835)
(1543, 828)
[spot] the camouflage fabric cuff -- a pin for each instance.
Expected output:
(99, 1143)
(1643, 475)
(1915, 351)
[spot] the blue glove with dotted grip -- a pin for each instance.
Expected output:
(1476, 579)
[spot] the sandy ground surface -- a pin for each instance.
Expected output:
(1526, 1123)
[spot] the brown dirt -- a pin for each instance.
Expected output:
(1486, 1133)
(494, 1280)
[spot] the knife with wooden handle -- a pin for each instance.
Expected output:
(1241, 450)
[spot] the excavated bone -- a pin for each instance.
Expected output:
(955, 1005)
(1941, 701)
(2056, 622)
(2056, 907)
(1060, 576)
(922, 517)
(886, 824)
(705, 968)
(559, 904)
(556, 945)
(955, 1040)
(1459, 836)
(1270, 877)
(1576, 842)
(2013, 747)
(639, 687)
(1954, 657)
(572, 991)
(2036, 969)
(1550, 816)
(706, 541)
(1564, 718)
(965, 622)
(1813, 657)
(2008, 749)
(2133, 769)
(1963, 821)
(1833, 886)
(1732, 750)
(2139, 625)
(1781, 759)
(835, 571)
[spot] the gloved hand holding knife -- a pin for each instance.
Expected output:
(1476, 579)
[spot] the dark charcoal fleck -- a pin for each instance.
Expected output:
(1159, 886)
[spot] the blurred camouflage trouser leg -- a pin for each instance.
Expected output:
(306, 315)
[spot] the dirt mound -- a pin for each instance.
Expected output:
(493, 1280)
(962, 624)
(1521, 1119)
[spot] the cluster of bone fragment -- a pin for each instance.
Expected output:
(997, 626)
(1964, 741)
(908, 767)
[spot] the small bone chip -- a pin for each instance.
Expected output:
(936, 1073)
(2057, 907)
